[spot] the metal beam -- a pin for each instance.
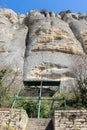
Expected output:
(36, 98)
(39, 101)
(44, 83)
(13, 105)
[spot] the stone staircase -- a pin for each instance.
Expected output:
(39, 124)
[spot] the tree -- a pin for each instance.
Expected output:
(79, 71)
(7, 79)
(3, 90)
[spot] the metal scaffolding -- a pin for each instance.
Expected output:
(40, 83)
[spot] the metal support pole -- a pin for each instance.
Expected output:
(64, 100)
(65, 104)
(39, 101)
(51, 108)
(16, 97)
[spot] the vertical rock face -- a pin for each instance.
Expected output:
(12, 46)
(78, 24)
(41, 45)
(50, 47)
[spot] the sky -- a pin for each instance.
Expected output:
(23, 6)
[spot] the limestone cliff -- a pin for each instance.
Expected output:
(41, 45)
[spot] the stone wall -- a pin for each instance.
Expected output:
(13, 119)
(70, 120)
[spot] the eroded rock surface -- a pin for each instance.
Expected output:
(51, 48)
(42, 45)
(12, 46)
(78, 24)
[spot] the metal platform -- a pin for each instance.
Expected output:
(41, 82)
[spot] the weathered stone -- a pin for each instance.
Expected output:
(15, 119)
(12, 47)
(78, 24)
(41, 124)
(41, 45)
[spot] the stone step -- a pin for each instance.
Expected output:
(39, 124)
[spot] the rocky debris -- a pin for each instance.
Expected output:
(42, 45)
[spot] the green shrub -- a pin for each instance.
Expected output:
(31, 107)
(5, 97)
